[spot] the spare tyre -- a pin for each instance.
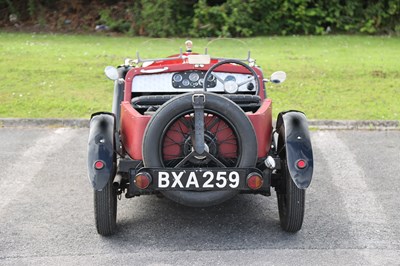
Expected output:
(228, 135)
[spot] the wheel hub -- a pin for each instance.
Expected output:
(210, 146)
(202, 157)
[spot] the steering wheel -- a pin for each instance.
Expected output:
(232, 82)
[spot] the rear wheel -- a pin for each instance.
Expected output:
(291, 199)
(105, 209)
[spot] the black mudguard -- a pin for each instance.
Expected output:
(298, 146)
(101, 147)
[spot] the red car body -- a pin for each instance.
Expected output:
(197, 144)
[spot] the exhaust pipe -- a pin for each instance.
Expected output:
(117, 181)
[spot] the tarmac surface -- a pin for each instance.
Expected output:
(46, 210)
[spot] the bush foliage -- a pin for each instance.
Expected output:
(202, 18)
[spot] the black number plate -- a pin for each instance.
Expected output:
(199, 179)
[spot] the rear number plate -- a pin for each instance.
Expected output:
(198, 179)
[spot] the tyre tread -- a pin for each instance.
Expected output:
(292, 220)
(105, 210)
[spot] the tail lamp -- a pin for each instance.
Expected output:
(142, 180)
(254, 181)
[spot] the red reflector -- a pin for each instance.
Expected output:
(301, 164)
(254, 181)
(142, 180)
(98, 165)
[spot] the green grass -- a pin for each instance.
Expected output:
(329, 77)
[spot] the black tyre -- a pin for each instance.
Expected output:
(105, 210)
(229, 136)
(291, 199)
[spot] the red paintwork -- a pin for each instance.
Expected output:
(133, 124)
(262, 123)
(179, 61)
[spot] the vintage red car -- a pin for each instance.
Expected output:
(197, 130)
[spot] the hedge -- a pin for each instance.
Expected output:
(223, 18)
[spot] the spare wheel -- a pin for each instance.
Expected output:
(228, 135)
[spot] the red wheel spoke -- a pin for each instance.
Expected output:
(220, 138)
(213, 123)
(174, 141)
(222, 129)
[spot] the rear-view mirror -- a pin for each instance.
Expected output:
(278, 77)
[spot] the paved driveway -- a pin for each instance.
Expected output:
(46, 210)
